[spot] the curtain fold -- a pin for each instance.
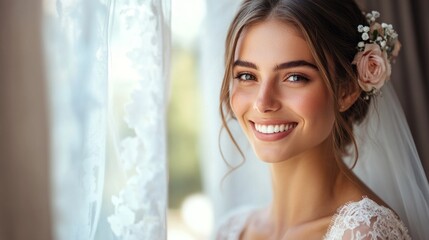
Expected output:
(83, 96)
(75, 40)
(139, 64)
(108, 65)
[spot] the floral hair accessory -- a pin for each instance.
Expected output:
(377, 50)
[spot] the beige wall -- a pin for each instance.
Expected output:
(24, 175)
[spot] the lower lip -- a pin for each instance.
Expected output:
(270, 137)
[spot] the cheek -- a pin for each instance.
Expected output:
(239, 101)
(317, 110)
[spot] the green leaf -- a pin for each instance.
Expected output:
(375, 35)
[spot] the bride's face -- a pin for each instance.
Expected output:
(278, 94)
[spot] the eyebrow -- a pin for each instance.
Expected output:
(284, 65)
(298, 63)
(245, 64)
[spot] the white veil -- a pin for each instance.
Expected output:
(389, 164)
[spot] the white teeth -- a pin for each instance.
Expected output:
(269, 129)
(277, 128)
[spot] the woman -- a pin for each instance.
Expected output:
(299, 74)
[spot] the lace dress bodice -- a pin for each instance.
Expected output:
(362, 220)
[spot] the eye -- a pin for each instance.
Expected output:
(245, 77)
(296, 78)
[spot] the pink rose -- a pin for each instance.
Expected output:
(373, 67)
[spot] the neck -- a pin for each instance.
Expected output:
(304, 188)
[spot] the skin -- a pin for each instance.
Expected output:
(276, 82)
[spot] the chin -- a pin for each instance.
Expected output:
(271, 156)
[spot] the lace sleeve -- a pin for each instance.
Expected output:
(366, 220)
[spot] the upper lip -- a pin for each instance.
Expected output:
(271, 122)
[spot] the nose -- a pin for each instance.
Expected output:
(267, 99)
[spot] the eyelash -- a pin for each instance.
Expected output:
(240, 75)
(299, 77)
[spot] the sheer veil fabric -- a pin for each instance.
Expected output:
(389, 164)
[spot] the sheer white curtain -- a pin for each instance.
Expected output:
(139, 72)
(107, 66)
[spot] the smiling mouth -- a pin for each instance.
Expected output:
(278, 128)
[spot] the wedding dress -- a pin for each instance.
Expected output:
(363, 219)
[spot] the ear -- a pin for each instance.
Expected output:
(348, 96)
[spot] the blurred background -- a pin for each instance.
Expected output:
(189, 210)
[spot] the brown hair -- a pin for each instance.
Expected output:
(330, 29)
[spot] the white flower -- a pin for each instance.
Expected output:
(377, 50)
